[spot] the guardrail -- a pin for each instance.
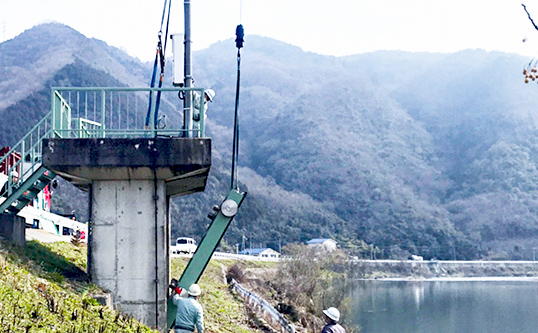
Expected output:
(224, 255)
(262, 307)
(100, 112)
(29, 149)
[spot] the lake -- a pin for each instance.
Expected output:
(446, 306)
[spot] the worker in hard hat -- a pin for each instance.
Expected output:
(190, 314)
(332, 316)
(209, 94)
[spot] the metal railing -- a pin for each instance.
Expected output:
(259, 305)
(98, 113)
(123, 112)
(30, 150)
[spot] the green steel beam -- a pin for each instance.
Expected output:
(209, 243)
(207, 246)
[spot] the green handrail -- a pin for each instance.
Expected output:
(117, 112)
(30, 150)
(111, 117)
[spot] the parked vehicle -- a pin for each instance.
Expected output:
(184, 245)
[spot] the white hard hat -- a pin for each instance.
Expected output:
(332, 313)
(210, 94)
(194, 290)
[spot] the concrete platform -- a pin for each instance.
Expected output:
(183, 163)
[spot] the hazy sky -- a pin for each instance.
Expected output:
(336, 27)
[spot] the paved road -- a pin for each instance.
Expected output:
(45, 237)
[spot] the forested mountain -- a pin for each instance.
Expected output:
(431, 154)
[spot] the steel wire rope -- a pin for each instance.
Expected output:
(159, 58)
(235, 151)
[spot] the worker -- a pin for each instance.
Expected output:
(208, 97)
(332, 316)
(189, 312)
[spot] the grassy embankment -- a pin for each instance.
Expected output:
(43, 288)
(223, 312)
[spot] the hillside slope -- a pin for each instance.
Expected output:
(411, 152)
(44, 288)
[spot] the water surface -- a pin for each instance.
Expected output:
(446, 306)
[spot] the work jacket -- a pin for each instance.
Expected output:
(196, 105)
(333, 327)
(189, 315)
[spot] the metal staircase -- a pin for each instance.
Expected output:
(21, 189)
(27, 191)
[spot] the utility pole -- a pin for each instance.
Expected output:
(187, 102)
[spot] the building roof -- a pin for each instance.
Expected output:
(319, 240)
(257, 251)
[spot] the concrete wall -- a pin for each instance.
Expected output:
(129, 246)
(438, 268)
(13, 229)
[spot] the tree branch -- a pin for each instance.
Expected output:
(530, 18)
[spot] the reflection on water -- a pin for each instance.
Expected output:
(446, 306)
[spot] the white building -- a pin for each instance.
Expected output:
(38, 216)
(324, 243)
(263, 253)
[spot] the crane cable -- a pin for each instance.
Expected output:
(240, 33)
(159, 58)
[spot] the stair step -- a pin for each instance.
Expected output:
(28, 190)
(39, 186)
(21, 203)
(31, 193)
(47, 176)
(13, 210)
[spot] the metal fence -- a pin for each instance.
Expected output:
(263, 308)
(223, 255)
(103, 112)
(124, 112)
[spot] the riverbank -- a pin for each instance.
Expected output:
(418, 270)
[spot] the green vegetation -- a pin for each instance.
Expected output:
(313, 280)
(43, 288)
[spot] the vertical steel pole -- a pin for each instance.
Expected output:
(103, 113)
(187, 102)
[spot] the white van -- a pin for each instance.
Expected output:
(184, 245)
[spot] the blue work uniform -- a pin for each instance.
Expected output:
(189, 315)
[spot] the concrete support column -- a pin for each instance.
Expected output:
(129, 254)
(13, 229)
